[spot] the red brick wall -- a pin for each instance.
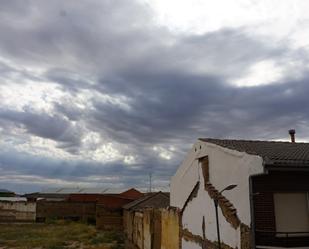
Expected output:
(108, 219)
(113, 202)
(66, 210)
(132, 193)
(108, 200)
(84, 197)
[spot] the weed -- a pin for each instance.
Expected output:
(57, 235)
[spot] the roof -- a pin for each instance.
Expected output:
(60, 191)
(274, 153)
(83, 191)
(114, 191)
(155, 200)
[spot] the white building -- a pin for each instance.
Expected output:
(17, 209)
(267, 208)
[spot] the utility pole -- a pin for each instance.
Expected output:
(150, 178)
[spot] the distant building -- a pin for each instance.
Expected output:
(260, 188)
(17, 209)
(113, 198)
(94, 205)
(82, 194)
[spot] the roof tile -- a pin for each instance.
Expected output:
(275, 153)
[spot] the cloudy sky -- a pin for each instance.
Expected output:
(102, 93)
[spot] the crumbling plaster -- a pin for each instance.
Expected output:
(225, 167)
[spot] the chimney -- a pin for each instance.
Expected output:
(292, 134)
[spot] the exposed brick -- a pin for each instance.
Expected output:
(204, 243)
(245, 236)
(227, 208)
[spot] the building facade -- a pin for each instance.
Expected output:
(260, 189)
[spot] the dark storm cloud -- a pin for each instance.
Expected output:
(169, 108)
(92, 35)
(24, 166)
(163, 89)
(54, 127)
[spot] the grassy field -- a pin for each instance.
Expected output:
(57, 235)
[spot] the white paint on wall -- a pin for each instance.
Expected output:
(19, 210)
(232, 167)
(226, 167)
(190, 245)
(203, 206)
(184, 180)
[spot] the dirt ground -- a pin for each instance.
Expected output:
(58, 235)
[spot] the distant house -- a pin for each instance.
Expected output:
(82, 194)
(95, 205)
(109, 213)
(111, 198)
(260, 188)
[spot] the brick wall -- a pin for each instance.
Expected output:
(66, 210)
(108, 219)
(109, 200)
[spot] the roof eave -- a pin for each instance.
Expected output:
(283, 167)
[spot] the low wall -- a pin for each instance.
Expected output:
(20, 211)
(152, 229)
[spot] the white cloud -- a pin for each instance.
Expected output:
(164, 153)
(129, 159)
(104, 153)
(116, 90)
(19, 94)
(262, 73)
(199, 16)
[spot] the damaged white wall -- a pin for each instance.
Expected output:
(225, 167)
(17, 211)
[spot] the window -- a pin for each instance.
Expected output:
(292, 213)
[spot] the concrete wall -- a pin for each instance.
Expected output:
(225, 167)
(147, 228)
(152, 229)
(128, 224)
(133, 224)
(17, 211)
(138, 230)
(170, 238)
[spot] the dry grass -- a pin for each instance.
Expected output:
(58, 235)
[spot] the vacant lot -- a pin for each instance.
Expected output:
(57, 235)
